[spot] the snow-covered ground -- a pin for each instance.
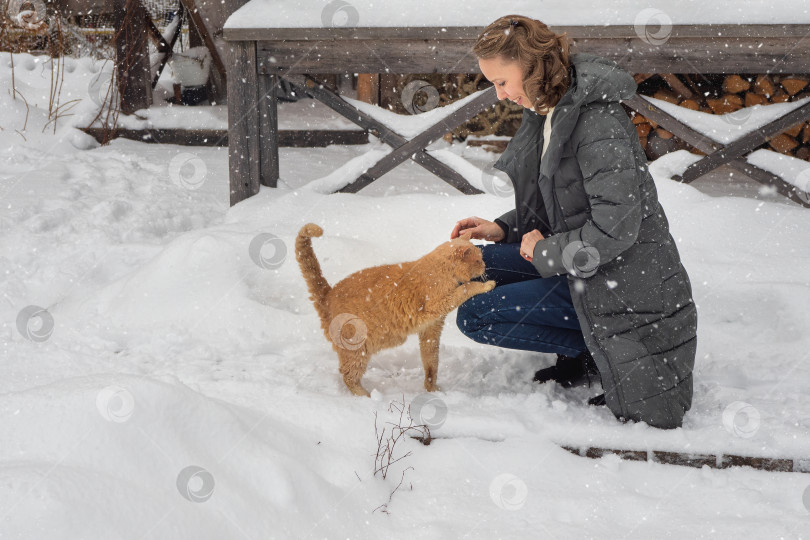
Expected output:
(165, 375)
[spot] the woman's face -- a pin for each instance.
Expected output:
(507, 78)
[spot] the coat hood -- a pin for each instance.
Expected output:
(597, 79)
(593, 79)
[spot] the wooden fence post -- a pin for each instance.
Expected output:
(243, 121)
(134, 74)
(268, 129)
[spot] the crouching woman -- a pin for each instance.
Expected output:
(585, 264)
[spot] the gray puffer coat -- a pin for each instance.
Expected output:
(594, 200)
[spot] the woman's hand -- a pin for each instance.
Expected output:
(479, 229)
(528, 243)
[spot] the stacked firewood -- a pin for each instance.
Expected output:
(502, 119)
(734, 94)
(713, 94)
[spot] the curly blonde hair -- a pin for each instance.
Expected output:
(544, 56)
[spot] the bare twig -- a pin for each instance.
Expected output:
(110, 108)
(57, 53)
(27, 108)
(61, 113)
(386, 445)
(13, 80)
(384, 505)
(387, 439)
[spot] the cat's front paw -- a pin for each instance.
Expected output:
(489, 285)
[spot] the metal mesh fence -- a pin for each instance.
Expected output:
(162, 13)
(87, 34)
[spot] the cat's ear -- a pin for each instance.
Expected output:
(465, 251)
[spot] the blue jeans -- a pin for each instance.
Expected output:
(524, 311)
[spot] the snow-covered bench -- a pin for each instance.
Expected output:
(272, 39)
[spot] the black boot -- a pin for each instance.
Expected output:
(597, 401)
(570, 371)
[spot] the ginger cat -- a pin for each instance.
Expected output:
(377, 308)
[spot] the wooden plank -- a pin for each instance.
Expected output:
(446, 173)
(320, 137)
(268, 130)
(687, 459)
(185, 137)
(676, 55)
(351, 33)
(368, 88)
(718, 32)
(702, 55)
(388, 90)
(243, 123)
(423, 56)
(629, 455)
(769, 179)
(746, 143)
(219, 137)
(670, 123)
(764, 464)
(675, 83)
(486, 98)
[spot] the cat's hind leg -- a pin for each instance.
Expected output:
(353, 365)
(429, 349)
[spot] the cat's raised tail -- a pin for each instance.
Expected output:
(311, 269)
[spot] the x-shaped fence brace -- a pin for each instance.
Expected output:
(404, 149)
(161, 45)
(718, 154)
(414, 148)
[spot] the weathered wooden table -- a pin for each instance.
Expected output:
(261, 55)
